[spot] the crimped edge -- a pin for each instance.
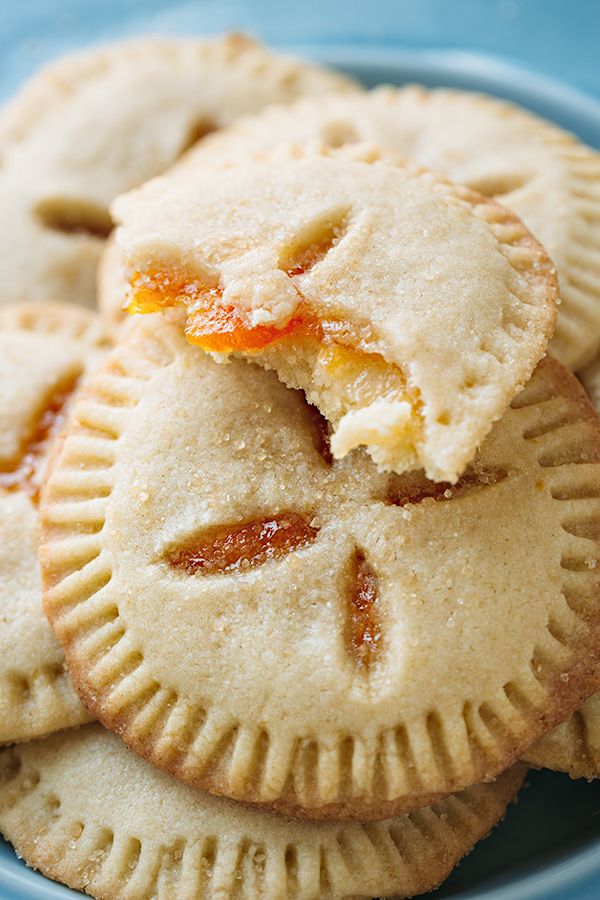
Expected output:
(568, 748)
(38, 704)
(66, 319)
(107, 859)
(580, 285)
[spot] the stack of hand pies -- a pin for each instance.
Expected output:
(316, 492)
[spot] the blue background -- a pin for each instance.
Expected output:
(560, 38)
(549, 848)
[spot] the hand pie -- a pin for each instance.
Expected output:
(312, 635)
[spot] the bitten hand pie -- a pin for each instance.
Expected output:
(409, 310)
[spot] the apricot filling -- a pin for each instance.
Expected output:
(365, 626)
(371, 403)
(23, 475)
(305, 256)
(241, 547)
(210, 325)
(361, 377)
(218, 328)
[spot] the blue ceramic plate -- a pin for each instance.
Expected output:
(548, 848)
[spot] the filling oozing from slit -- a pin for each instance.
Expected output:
(24, 473)
(237, 548)
(364, 620)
